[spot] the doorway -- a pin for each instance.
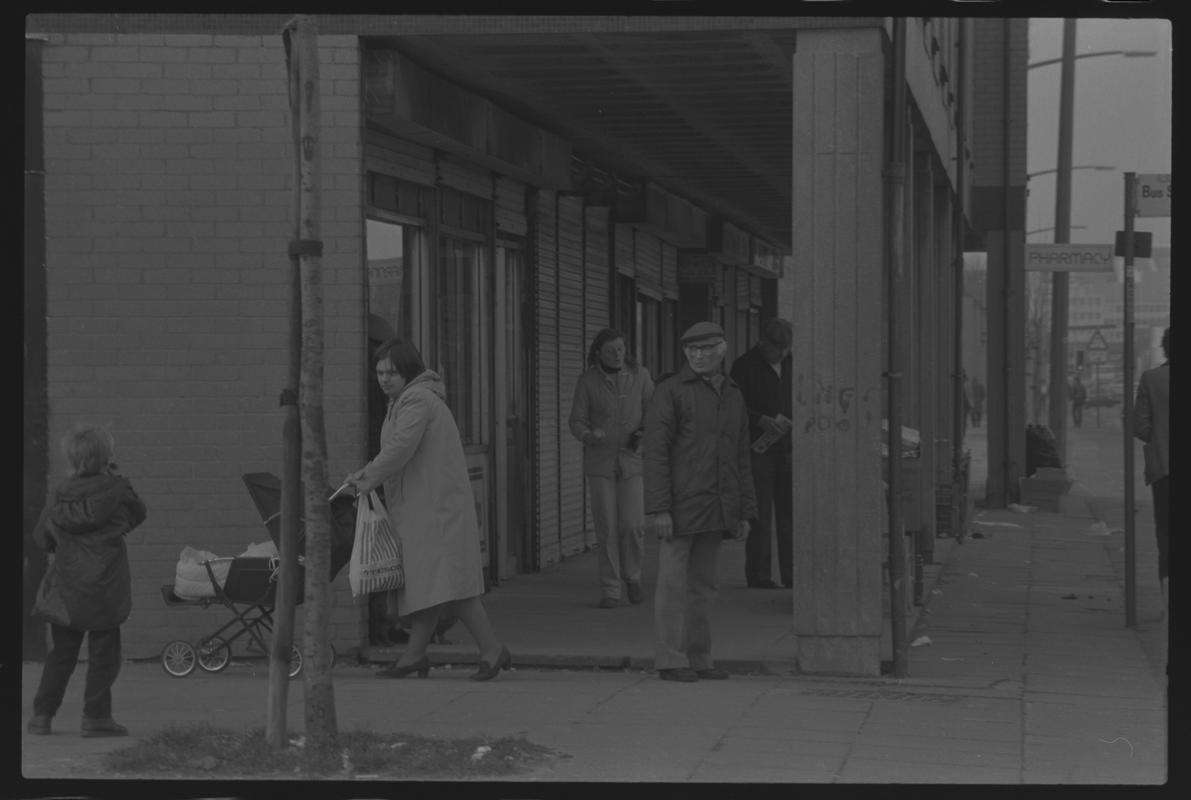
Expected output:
(516, 549)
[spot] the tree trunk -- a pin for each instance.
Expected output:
(288, 584)
(321, 725)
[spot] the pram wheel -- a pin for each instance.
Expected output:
(214, 654)
(178, 658)
(295, 661)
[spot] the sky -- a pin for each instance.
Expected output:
(1122, 119)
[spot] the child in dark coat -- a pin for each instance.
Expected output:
(87, 587)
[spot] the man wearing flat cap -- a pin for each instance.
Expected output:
(763, 374)
(698, 490)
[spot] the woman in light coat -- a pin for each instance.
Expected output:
(428, 494)
(607, 415)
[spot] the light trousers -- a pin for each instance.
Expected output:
(682, 601)
(618, 512)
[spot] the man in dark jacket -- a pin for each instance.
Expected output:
(763, 374)
(87, 589)
(698, 489)
(1151, 424)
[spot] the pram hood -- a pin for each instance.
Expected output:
(265, 490)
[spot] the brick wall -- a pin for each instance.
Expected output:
(168, 189)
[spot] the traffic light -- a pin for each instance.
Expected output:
(1079, 358)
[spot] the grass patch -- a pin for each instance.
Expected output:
(202, 750)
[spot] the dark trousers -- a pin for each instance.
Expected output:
(1161, 488)
(103, 665)
(1077, 414)
(773, 479)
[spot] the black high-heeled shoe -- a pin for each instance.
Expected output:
(487, 673)
(421, 666)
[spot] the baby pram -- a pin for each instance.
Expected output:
(249, 589)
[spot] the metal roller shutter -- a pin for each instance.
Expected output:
(623, 249)
(509, 206)
(571, 356)
(669, 271)
(649, 264)
(464, 177)
(597, 289)
(546, 427)
(399, 158)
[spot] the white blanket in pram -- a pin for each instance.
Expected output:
(191, 580)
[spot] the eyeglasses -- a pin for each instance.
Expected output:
(702, 349)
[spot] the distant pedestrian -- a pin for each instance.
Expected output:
(698, 490)
(763, 374)
(977, 401)
(1079, 396)
(428, 495)
(608, 416)
(87, 588)
(1151, 424)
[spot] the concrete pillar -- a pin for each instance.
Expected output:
(836, 281)
(926, 337)
(945, 261)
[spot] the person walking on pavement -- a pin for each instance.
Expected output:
(977, 401)
(429, 499)
(1151, 424)
(607, 416)
(1079, 396)
(763, 374)
(698, 491)
(87, 588)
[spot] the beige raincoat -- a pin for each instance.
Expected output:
(428, 494)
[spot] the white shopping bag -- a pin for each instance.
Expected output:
(375, 564)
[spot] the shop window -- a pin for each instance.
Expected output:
(669, 339)
(650, 333)
(625, 313)
(462, 307)
(395, 256)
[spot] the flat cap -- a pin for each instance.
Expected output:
(701, 331)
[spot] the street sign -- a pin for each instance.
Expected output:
(1097, 342)
(1151, 195)
(1069, 257)
(1143, 242)
(1096, 357)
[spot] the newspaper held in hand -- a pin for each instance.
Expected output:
(766, 440)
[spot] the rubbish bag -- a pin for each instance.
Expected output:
(1041, 449)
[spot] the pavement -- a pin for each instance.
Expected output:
(1024, 672)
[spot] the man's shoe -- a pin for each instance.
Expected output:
(712, 674)
(684, 674)
(103, 727)
(767, 583)
(636, 593)
(40, 724)
(608, 602)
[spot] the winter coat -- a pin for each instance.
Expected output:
(1151, 420)
(766, 394)
(428, 495)
(696, 453)
(616, 403)
(87, 584)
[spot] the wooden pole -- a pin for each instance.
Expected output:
(291, 449)
(321, 726)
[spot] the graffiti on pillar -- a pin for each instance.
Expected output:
(831, 408)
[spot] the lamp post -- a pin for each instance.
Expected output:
(1062, 227)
